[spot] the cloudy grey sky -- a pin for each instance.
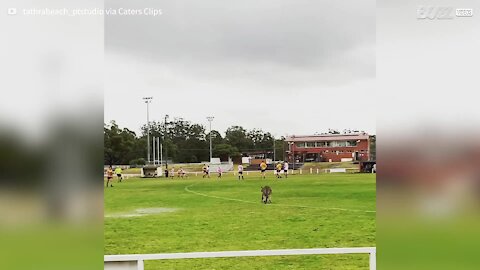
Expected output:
(427, 69)
(288, 67)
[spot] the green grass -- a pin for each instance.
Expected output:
(307, 211)
(131, 170)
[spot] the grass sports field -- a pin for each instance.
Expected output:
(194, 214)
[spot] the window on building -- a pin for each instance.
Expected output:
(300, 144)
(320, 144)
(310, 144)
(339, 144)
(328, 144)
(351, 143)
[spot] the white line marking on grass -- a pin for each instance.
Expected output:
(142, 212)
(216, 197)
(187, 188)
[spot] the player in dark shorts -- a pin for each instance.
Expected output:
(240, 171)
(279, 170)
(118, 172)
(205, 172)
(263, 168)
(109, 176)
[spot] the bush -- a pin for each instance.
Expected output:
(138, 161)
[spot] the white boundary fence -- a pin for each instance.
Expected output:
(136, 261)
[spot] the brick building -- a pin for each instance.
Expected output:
(329, 147)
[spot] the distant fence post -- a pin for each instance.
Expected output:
(317, 170)
(300, 171)
(311, 170)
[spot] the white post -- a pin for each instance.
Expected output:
(317, 170)
(373, 260)
(153, 146)
(158, 151)
(311, 170)
(140, 265)
(300, 171)
(161, 152)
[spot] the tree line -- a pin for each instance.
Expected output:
(185, 142)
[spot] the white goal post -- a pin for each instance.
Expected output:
(136, 261)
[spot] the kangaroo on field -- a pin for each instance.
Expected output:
(266, 193)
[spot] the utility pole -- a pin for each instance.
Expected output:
(210, 119)
(148, 100)
(274, 156)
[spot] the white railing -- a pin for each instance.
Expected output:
(136, 261)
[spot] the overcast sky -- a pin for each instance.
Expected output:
(426, 68)
(288, 67)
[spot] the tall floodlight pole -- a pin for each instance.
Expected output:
(161, 152)
(164, 137)
(148, 100)
(292, 149)
(210, 119)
